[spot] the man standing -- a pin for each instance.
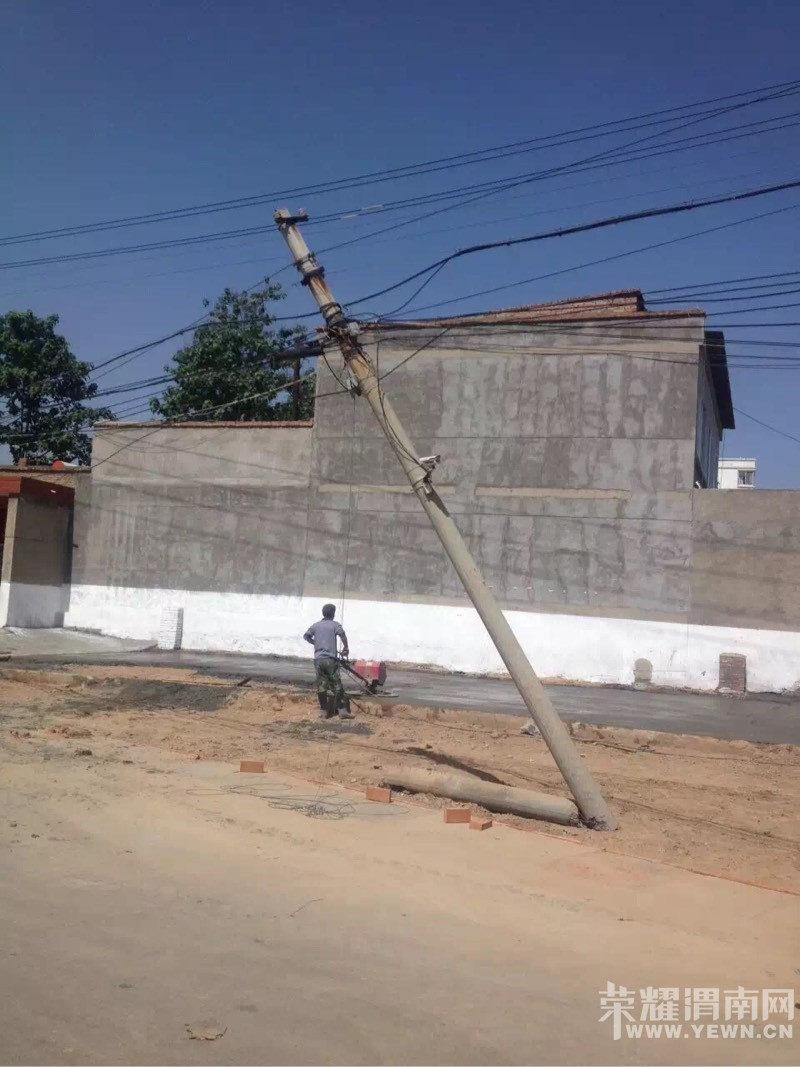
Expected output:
(324, 636)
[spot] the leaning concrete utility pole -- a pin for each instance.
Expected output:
(592, 806)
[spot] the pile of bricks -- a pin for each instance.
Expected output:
(464, 817)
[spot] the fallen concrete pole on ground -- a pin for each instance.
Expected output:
(503, 798)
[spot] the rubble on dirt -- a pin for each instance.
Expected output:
(720, 807)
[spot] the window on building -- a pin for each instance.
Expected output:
(745, 478)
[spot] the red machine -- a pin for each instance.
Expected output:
(371, 673)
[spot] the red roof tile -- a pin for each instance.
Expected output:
(186, 424)
(623, 303)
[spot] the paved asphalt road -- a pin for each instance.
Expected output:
(767, 718)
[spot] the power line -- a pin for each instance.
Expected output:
(121, 250)
(196, 416)
(604, 158)
(631, 327)
(127, 387)
(504, 185)
(767, 425)
(94, 282)
(416, 352)
(585, 227)
(761, 307)
(133, 353)
(396, 173)
(133, 387)
(584, 346)
(713, 296)
(608, 259)
(771, 344)
(141, 349)
(465, 202)
(726, 281)
(608, 158)
(487, 221)
(484, 247)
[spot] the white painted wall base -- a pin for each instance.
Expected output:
(5, 592)
(577, 647)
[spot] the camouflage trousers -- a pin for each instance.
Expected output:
(328, 678)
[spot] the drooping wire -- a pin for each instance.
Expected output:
(767, 425)
(608, 259)
(585, 227)
(417, 291)
(394, 440)
(416, 352)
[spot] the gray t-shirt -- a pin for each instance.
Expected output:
(322, 635)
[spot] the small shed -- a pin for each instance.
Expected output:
(36, 550)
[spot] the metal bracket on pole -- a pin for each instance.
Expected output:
(284, 217)
(311, 269)
(353, 384)
(430, 463)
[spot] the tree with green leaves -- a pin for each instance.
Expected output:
(43, 392)
(231, 370)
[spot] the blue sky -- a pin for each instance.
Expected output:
(116, 109)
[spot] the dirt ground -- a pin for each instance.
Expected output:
(726, 808)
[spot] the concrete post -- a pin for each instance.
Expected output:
(591, 804)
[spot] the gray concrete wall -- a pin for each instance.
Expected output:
(567, 454)
(567, 460)
(746, 558)
(220, 508)
(628, 554)
(590, 406)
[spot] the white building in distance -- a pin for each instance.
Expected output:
(736, 474)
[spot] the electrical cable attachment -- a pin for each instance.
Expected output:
(353, 384)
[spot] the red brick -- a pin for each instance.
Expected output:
(462, 815)
(251, 766)
(379, 794)
(479, 824)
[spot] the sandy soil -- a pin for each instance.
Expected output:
(727, 808)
